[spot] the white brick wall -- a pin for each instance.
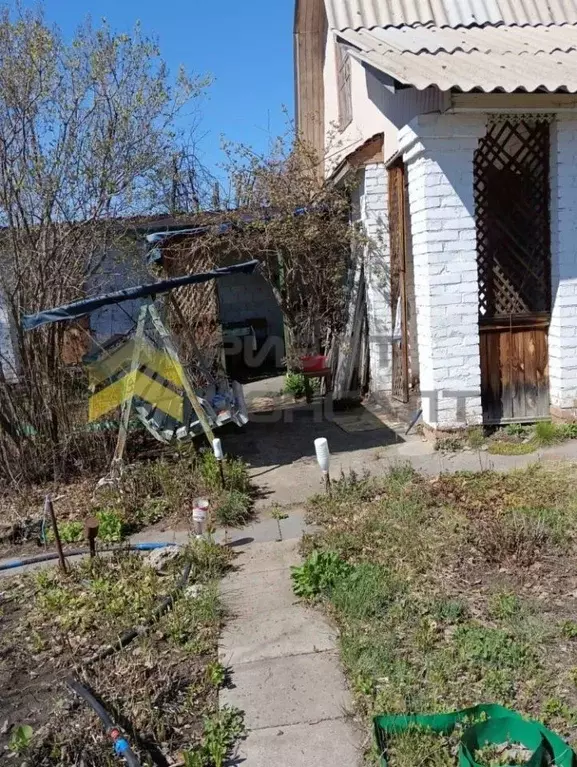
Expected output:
(374, 215)
(438, 151)
(563, 329)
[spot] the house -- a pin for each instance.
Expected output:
(460, 119)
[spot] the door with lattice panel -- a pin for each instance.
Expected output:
(514, 264)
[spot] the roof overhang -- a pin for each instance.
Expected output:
(488, 59)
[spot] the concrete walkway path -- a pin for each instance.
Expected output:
(286, 674)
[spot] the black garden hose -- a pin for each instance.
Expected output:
(120, 744)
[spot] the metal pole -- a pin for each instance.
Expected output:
(49, 507)
(91, 527)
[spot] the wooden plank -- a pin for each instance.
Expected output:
(518, 342)
(486, 398)
(506, 369)
(542, 372)
(531, 375)
(491, 375)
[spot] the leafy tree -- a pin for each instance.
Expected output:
(88, 139)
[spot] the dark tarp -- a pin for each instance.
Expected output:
(81, 308)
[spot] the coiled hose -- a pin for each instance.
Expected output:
(121, 745)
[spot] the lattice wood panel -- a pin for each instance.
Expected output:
(198, 304)
(512, 209)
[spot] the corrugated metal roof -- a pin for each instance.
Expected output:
(356, 14)
(488, 59)
(485, 39)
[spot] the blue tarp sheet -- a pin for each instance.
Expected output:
(81, 308)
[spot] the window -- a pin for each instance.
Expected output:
(344, 86)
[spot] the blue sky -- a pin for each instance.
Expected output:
(246, 46)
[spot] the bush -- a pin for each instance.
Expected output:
(111, 528)
(548, 433)
(319, 573)
(295, 384)
(233, 509)
(70, 532)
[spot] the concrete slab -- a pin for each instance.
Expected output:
(262, 557)
(278, 632)
(324, 744)
(251, 593)
(289, 690)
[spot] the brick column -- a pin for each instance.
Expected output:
(374, 214)
(438, 152)
(563, 329)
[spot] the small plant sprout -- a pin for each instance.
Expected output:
(20, 739)
(279, 515)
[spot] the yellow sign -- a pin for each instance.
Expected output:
(137, 383)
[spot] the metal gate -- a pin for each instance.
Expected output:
(398, 212)
(514, 261)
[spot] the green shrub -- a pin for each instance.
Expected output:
(319, 573)
(20, 739)
(295, 384)
(70, 532)
(517, 429)
(111, 527)
(236, 476)
(233, 509)
(547, 433)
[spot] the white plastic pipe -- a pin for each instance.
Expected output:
(217, 449)
(323, 454)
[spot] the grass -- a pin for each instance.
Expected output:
(162, 688)
(512, 448)
(513, 439)
(433, 586)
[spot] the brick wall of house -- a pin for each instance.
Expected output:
(438, 152)
(563, 329)
(374, 215)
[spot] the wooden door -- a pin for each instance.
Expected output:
(513, 255)
(398, 243)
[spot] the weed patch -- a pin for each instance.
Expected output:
(163, 687)
(432, 584)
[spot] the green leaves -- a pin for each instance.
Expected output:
(20, 739)
(319, 573)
